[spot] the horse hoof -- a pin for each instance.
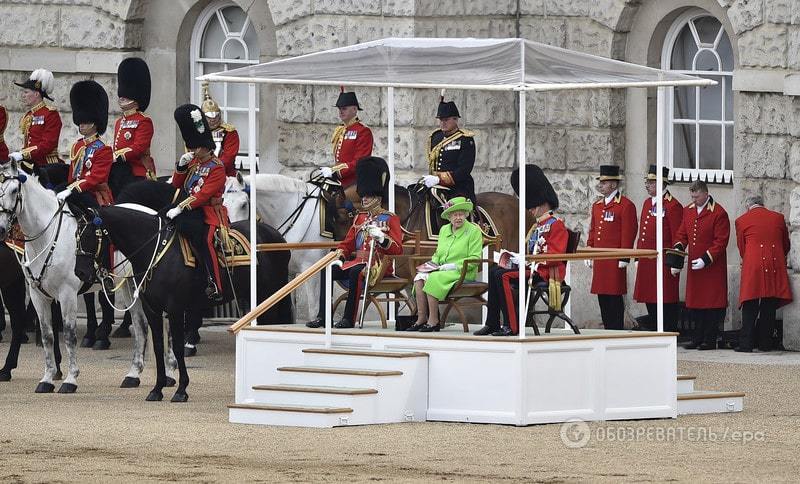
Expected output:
(170, 382)
(180, 398)
(101, 344)
(67, 388)
(44, 387)
(154, 396)
(38, 342)
(189, 351)
(123, 331)
(87, 342)
(5, 375)
(130, 382)
(58, 375)
(24, 340)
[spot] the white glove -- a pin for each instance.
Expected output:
(174, 212)
(186, 158)
(674, 271)
(15, 156)
(430, 180)
(516, 260)
(698, 264)
(588, 263)
(636, 264)
(448, 267)
(326, 171)
(63, 194)
(622, 264)
(377, 234)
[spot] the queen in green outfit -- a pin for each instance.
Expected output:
(459, 240)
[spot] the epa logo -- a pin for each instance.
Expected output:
(575, 434)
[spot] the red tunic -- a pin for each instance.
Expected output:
(357, 241)
(645, 288)
(227, 139)
(705, 236)
(90, 164)
(41, 128)
(3, 126)
(204, 183)
(763, 242)
(132, 135)
(551, 237)
(613, 225)
(350, 144)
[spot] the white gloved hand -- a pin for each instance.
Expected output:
(174, 212)
(448, 267)
(698, 264)
(377, 234)
(430, 180)
(516, 259)
(636, 264)
(326, 171)
(622, 264)
(186, 158)
(63, 194)
(15, 156)
(674, 271)
(588, 263)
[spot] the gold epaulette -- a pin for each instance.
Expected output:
(468, 133)
(51, 108)
(227, 127)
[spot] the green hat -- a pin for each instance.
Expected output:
(456, 204)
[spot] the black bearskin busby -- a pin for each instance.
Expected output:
(194, 127)
(538, 189)
(133, 81)
(372, 177)
(89, 103)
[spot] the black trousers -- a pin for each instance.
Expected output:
(351, 276)
(497, 298)
(758, 316)
(706, 325)
(191, 224)
(612, 311)
(672, 312)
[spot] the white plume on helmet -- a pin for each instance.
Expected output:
(45, 77)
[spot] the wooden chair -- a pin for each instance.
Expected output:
(541, 292)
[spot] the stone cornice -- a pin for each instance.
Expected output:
(63, 60)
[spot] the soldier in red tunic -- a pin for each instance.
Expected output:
(225, 135)
(703, 234)
(3, 126)
(201, 176)
(41, 125)
(351, 141)
(133, 131)
(613, 225)
(373, 223)
(645, 289)
(763, 242)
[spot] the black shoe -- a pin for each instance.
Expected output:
(212, 292)
(706, 346)
(344, 324)
(743, 350)
(485, 331)
(316, 323)
(415, 327)
(430, 329)
(691, 346)
(504, 331)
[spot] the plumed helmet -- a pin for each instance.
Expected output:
(194, 127)
(40, 80)
(89, 103)
(133, 81)
(209, 107)
(372, 177)
(538, 189)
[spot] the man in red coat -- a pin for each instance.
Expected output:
(41, 125)
(351, 141)
(133, 131)
(201, 177)
(763, 242)
(613, 225)
(225, 135)
(3, 126)
(645, 289)
(704, 234)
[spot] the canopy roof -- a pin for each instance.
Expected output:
(485, 64)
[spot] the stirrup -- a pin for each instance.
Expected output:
(212, 291)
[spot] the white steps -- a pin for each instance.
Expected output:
(692, 402)
(686, 383)
(310, 416)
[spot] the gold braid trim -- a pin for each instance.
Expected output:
(336, 139)
(433, 153)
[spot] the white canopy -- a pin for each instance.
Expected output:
(485, 64)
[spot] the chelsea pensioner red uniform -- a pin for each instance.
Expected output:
(645, 289)
(90, 164)
(41, 128)
(705, 236)
(132, 135)
(350, 142)
(763, 242)
(613, 225)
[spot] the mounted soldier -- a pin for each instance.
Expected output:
(451, 154)
(351, 141)
(225, 135)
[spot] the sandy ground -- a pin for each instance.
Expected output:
(105, 433)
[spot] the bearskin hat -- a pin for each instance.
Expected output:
(194, 127)
(89, 103)
(133, 81)
(372, 177)
(538, 189)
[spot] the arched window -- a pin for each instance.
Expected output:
(699, 137)
(224, 38)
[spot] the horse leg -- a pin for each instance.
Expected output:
(69, 313)
(91, 321)
(124, 329)
(176, 331)
(2, 318)
(104, 329)
(139, 328)
(156, 323)
(57, 324)
(44, 310)
(14, 297)
(193, 320)
(169, 360)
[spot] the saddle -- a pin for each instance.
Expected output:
(234, 253)
(434, 202)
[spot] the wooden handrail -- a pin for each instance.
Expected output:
(597, 255)
(283, 292)
(330, 245)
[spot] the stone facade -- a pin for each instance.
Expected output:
(569, 134)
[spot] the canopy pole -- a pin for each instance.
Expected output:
(521, 303)
(390, 155)
(251, 157)
(660, 210)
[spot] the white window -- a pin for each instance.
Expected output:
(224, 38)
(699, 137)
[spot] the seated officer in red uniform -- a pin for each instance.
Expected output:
(225, 135)
(547, 236)
(201, 176)
(351, 141)
(41, 125)
(373, 223)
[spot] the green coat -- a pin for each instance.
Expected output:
(454, 248)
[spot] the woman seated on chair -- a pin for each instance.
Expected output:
(547, 236)
(458, 241)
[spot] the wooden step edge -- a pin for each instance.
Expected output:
(702, 395)
(290, 408)
(316, 389)
(376, 353)
(340, 371)
(686, 377)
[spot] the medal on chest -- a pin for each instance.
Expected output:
(608, 216)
